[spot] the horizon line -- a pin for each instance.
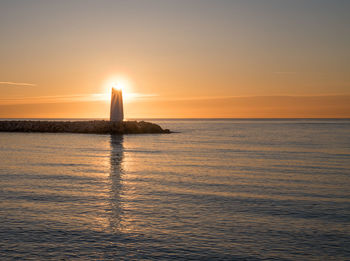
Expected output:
(193, 118)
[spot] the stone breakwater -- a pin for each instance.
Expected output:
(97, 127)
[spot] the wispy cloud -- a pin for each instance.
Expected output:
(208, 98)
(44, 99)
(137, 96)
(18, 83)
(285, 72)
(191, 98)
(71, 98)
(130, 97)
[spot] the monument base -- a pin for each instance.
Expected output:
(97, 127)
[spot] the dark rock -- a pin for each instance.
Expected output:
(98, 127)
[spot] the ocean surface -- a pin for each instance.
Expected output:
(217, 190)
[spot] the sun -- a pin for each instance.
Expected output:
(117, 82)
(118, 86)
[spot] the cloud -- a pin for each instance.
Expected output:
(51, 99)
(285, 72)
(18, 83)
(191, 98)
(137, 96)
(132, 97)
(71, 98)
(199, 98)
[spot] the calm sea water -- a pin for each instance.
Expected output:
(219, 189)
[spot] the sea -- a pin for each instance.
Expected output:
(216, 189)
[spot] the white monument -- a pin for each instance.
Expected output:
(117, 112)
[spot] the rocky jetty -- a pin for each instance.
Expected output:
(97, 127)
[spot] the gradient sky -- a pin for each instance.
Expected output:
(190, 58)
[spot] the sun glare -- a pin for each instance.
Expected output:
(117, 86)
(118, 83)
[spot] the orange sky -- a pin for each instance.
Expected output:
(177, 59)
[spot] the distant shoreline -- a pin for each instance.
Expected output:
(149, 119)
(173, 119)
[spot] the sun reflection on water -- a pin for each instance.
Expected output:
(116, 172)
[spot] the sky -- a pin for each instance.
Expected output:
(175, 59)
